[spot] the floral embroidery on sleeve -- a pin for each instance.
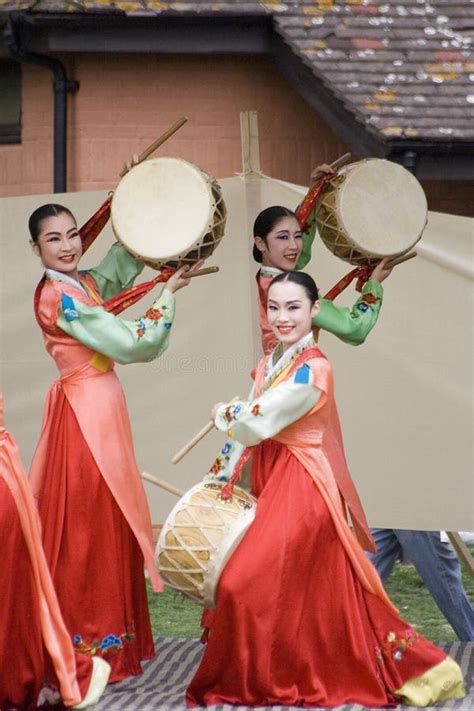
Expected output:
(141, 330)
(222, 459)
(154, 314)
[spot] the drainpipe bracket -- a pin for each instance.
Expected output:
(65, 85)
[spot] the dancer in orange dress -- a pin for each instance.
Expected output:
(301, 615)
(38, 658)
(96, 524)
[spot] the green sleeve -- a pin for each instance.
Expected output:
(124, 341)
(352, 325)
(116, 272)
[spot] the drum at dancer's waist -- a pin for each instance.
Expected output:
(199, 536)
(168, 212)
(370, 210)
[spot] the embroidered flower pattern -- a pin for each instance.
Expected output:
(154, 314)
(370, 298)
(217, 466)
(396, 646)
(231, 412)
(110, 644)
(141, 329)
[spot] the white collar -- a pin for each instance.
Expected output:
(53, 274)
(270, 271)
(285, 359)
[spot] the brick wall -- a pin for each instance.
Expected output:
(126, 101)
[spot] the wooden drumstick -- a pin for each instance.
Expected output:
(197, 438)
(334, 165)
(162, 484)
(399, 260)
(200, 272)
(156, 144)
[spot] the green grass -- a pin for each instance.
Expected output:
(174, 616)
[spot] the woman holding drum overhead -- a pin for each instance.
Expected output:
(94, 514)
(301, 616)
(278, 245)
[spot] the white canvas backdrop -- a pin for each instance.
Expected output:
(405, 396)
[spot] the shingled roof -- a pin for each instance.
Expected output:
(402, 69)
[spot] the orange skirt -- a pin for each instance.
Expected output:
(95, 561)
(293, 625)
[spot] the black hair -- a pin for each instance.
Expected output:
(302, 279)
(265, 222)
(42, 213)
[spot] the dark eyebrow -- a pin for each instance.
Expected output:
(71, 229)
(294, 301)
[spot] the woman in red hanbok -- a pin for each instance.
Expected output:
(96, 524)
(301, 616)
(38, 662)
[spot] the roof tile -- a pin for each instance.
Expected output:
(403, 67)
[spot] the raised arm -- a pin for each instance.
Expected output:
(251, 421)
(116, 272)
(141, 340)
(352, 325)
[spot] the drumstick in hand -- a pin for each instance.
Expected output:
(334, 165)
(156, 144)
(197, 438)
(399, 260)
(201, 272)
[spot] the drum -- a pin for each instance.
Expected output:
(371, 209)
(198, 538)
(167, 212)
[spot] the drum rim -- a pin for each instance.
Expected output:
(215, 567)
(207, 182)
(342, 228)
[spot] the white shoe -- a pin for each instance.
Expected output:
(99, 679)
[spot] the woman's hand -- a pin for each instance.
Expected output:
(319, 171)
(215, 409)
(179, 278)
(382, 271)
(129, 164)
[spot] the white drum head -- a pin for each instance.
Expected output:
(382, 207)
(162, 207)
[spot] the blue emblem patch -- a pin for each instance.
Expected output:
(68, 307)
(302, 374)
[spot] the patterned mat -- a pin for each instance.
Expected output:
(165, 678)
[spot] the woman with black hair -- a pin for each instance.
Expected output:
(301, 616)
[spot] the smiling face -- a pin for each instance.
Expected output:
(282, 246)
(290, 312)
(59, 244)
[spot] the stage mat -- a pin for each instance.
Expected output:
(165, 678)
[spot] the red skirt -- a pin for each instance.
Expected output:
(25, 666)
(293, 624)
(94, 558)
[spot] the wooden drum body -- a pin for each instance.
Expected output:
(371, 209)
(199, 536)
(167, 212)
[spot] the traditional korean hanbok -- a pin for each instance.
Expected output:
(301, 616)
(352, 326)
(38, 661)
(96, 523)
